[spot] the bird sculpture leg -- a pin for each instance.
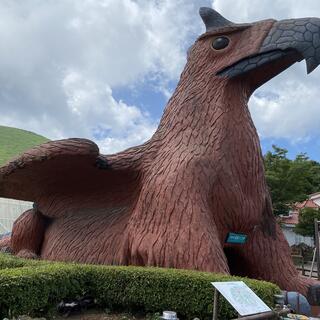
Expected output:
(27, 234)
(268, 258)
(171, 226)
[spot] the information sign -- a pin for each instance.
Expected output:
(241, 297)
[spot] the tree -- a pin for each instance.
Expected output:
(290, 181)
(305, 227)
(277, 166)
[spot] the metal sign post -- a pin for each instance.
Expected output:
(215, 304)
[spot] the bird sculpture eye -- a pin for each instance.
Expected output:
(220, 43)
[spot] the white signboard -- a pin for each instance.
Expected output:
(241, 297)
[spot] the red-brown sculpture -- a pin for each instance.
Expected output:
(171, 201)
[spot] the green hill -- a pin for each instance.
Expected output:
(15, 141)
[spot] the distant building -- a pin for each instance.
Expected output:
(315, 197)
(10, 210)
(287, 225)
(289, 222)
(309, 203)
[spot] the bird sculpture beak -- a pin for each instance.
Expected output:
(297, 39)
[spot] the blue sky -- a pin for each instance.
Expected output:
(104, 69)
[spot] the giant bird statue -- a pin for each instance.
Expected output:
(171, 201)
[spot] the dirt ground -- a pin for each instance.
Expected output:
(100, 315)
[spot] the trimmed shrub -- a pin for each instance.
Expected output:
(190, 293)
(35, 289)
(10, 261)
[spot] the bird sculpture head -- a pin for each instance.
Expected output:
(253, 53)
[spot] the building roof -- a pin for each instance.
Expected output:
(306, 204)
(314, 195)
(292, 219)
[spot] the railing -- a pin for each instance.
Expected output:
(306, 272)
(305, 266)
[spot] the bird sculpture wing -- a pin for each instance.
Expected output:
(58, 167)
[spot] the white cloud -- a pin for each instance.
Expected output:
(294, 114)
(252, 10)
(60, 60)
(121, 126)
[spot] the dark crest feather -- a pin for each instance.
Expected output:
(212, 19)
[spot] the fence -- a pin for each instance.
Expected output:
(10, 210)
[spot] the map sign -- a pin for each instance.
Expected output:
(241, 297)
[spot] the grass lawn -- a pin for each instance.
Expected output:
(15, 141)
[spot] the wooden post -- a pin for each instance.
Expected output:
(312, 264)
(316, 240)
(215, 304)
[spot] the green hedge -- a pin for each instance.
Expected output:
(36, 288)
(10, 261)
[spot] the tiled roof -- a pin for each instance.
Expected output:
(292, 219)
(306, 204)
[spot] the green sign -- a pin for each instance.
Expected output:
(236, 238)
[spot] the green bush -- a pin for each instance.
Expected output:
(190, 293)
(37, 288)
(9, 261)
